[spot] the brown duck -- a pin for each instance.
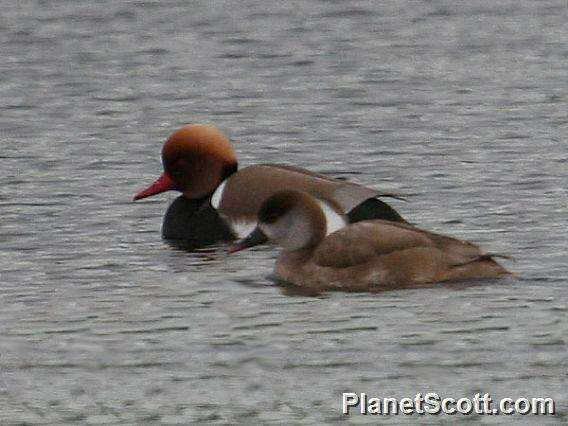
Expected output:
(321, 251)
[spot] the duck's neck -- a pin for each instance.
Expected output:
(228, 171)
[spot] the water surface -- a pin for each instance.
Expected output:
(461, 106)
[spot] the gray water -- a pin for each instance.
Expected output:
(460, 106)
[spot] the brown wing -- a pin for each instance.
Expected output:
(245, 191)
(296, 170)
(343, 188)
(359, 243)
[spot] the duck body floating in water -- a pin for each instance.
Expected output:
(321, 253)
(220, 202)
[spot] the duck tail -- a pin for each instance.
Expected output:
(392, 195)
(479, 266)
(488, 256)
(485, 256)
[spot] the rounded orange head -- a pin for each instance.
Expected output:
(196, 159)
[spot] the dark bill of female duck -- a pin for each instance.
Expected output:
(364, 256)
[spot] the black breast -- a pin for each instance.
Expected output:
(194, 224)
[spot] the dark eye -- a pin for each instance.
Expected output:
(176, 169)
(269, 215)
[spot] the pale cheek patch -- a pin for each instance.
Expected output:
(334, 220)
(242, 228)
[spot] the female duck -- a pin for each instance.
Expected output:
(365, 256)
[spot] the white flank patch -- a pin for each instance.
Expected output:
(218, 195)
(334, 220)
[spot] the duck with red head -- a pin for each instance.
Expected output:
(196, 160)
(219, 203)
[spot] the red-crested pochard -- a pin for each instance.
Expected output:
(370, 255)
(200, 162)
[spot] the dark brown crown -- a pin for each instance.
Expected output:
(277, 206)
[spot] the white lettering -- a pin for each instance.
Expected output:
(433, 403)
(349, 400)
(464, 406)
(390, 406)
(406, 406)
(505, 406)
(419, 403)
(446, 406)
(374, 406)
(522, 406)
(543, 406)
